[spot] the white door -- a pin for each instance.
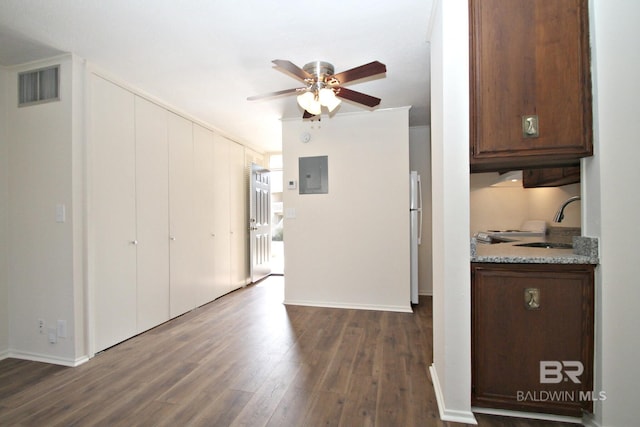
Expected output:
(152, 214)
(113, 207)
(204, 202)
(221, 220)
(238, 216)
(182, 228)
(260, 222)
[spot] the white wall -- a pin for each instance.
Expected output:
(350, 247)
(613, 208)
(4, 213)
(451, 369)
(420, 160)
(43, 274)
(505, 208)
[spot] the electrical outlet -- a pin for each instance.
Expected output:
(41, 326)
(62, 328)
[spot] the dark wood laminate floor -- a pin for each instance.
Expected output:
(245, 360)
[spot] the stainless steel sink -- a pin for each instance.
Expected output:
(547, 245)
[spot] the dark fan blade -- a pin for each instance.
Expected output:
(292, 68)
(367, 70)
(307, 115)
(278, 93)
(359, 97)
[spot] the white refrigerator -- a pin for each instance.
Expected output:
(415, 212)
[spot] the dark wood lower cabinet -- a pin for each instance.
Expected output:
(532, 337)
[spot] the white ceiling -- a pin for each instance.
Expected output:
(205, 57)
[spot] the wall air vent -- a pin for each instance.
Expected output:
(39, 86)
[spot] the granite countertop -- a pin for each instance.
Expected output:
(585, 251)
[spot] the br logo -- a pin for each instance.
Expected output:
(554, 371)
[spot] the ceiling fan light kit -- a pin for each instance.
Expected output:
(313, 100)
(323, 87)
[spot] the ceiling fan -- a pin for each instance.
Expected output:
(323, 88)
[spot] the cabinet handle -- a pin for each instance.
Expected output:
(532, 298)
(530, 126)
(172, 238)
(134, 242)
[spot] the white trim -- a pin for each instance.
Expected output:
(329, 304)
(531, 415)
(45, 358)
(49, 59)
(588, 420)
(465, 417)
(4, 354)
(434, 6)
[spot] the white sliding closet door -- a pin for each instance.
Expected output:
(112, 213)
(204, 211)
(152, 209)
(182, 229)
(222, 229)
(239, 222)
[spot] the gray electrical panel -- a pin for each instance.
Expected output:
(313, 175)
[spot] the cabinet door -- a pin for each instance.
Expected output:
(182, 230)
(222, 227)
(550, 177)
(238, 194)
(113, 212)
(529, 58)
(152, 210)
(511, 335)
(204, 203)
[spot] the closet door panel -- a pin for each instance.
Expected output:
(239, 222)
(112, 213)
(204, 210)
(181, 216)
(222, 230)
(152, 209)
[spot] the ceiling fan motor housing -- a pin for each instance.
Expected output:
(319, 69)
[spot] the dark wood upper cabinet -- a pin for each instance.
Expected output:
(530, 84)
(550, 177)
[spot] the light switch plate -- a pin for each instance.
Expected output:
(61, 214)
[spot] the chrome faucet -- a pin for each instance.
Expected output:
(560, 214)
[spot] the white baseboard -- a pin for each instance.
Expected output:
(45, 358)
(530, 415)
(330, 304)
(465, 417)
(588, 420)
(4, 354)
